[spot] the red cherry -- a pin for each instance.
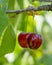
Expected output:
(22, 39)
(34, 41)
(39, 42)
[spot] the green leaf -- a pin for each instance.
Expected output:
(3, 21)
(21, 24)
(26, 23)
(31, 24)
(32, 53)
(21, 3)
(46, 59)
(12, 17)
(19, 58)
(11, 4)
(30, 1)
(18, 48)
(3, 60)
(8, 41)
(3, 4)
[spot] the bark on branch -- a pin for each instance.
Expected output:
(44, 0)
(40, 8)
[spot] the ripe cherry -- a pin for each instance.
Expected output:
(30, 40)
(22, 39)
(34, 41)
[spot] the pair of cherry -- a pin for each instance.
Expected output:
(31, 40)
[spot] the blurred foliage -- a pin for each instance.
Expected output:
(10, 27)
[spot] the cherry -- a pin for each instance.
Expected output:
(39, 41)
(22, 39)
(31, 40)
(34, 40)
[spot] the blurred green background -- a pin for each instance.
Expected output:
(11, 25)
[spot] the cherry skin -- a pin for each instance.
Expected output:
(22, 39)
(39, 41)
(34, 41)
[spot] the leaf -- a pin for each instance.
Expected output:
(46, 59)
(31, 24)
(3, 60)
(21, 24)
(46, 31)
(12, 17)
(11, 4)
(8, 41)
(17, 49)
(21, 3)
(19, 58)
(32, 53)
(3, 21)
(3, 4)
(30, 1)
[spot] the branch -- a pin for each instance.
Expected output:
(44, 0)
(40, 8)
